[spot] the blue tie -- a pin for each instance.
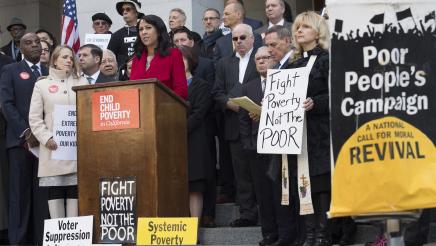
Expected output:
(35, 70)
(277, 66)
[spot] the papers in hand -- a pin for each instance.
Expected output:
(35, 151)
(247, 104)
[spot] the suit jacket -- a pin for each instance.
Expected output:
(16, 88)
(7, 49)
(264, 28)
(224, 46)
(253, 23)
(4, 60)
(249, 128)
(103, 78)
(227, 86)
(206, 70)
(198, 145)
(169, 70)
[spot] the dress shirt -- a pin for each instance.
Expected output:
(94, 77)
(280, 23)
(31, 64)
(285, 59)
(243, 63)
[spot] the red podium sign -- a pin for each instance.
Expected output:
(115, 109)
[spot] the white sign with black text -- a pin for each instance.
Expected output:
(70, 231)
(64, 132)
(101, 40)
(282, 117)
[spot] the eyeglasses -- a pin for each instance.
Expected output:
(263, 58)
(45, 50)
(108, 61)
(242, 38)
(210, 18)
(100, 23)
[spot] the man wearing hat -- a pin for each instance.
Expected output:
(122, 41)
(101, 23)
(17, 29)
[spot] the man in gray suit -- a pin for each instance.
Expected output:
(231, 73)
(274, 10)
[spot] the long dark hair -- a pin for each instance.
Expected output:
(163, 38)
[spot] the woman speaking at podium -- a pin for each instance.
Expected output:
(59, 175)
(154, 57)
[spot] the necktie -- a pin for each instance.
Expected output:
(277, 66)
(89, 78)
(263, 85)
(35, 70)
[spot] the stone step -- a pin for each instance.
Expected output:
(230, 236)
(226, 213)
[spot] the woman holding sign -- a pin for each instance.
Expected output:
(50, 93)
(311, 39)
(154, 57)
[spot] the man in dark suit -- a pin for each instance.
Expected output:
(278, 40)
(17, 29)
(4, 168)
(274, 9)
(90, 56)
(233, 15)
(27, 201)
(232, 72)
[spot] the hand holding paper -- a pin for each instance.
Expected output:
(247, 104)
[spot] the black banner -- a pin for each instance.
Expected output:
(118, 210)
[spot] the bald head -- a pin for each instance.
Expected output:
(233, 15)
(30, 47)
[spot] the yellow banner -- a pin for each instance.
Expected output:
(167, 231)
(387, 165)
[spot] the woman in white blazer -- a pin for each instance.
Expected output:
(55, 89)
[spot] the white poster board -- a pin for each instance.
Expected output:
(101, 40)
(282, 117)
(68, 231)
(64, 132)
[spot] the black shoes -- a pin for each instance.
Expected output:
(268, 240)
(243, 223)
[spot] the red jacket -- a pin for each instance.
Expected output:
(169, 70)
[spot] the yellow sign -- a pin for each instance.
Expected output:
(167, 231)
(387, 165)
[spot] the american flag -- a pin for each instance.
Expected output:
(70, 31)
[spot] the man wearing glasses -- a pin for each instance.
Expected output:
(101, 23)
(211, 23)
(231, 73)
(122, 41)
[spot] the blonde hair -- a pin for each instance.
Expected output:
(55, 56)
(316, 22)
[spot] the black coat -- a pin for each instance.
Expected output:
(7, 49)
(206, 70)
(16, 88)
(103, 78)
(207, 44)
(198, 145)
(249, 128)
(227, 86)
(318, 124)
